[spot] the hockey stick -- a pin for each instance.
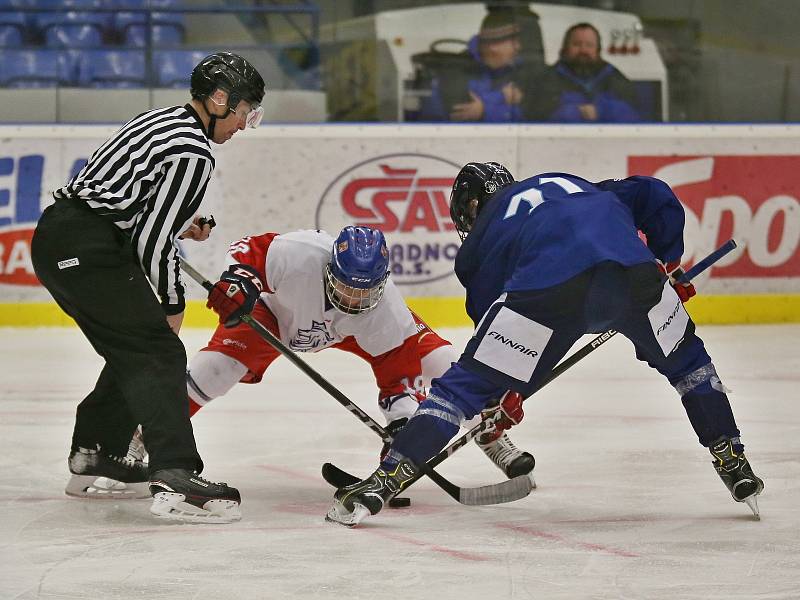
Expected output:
(507, 491)
(344, 478)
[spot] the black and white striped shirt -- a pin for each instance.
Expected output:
(149, 179)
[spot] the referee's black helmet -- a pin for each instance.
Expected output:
(229, 72)
(479, 182)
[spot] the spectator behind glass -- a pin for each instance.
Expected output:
(486, 91)
(581, 87)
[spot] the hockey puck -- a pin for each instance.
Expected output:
(399, 502)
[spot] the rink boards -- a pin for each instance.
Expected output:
(737, 181)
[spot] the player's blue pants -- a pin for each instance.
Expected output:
(525, 334)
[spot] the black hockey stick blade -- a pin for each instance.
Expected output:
(337, 477)
(506, 491)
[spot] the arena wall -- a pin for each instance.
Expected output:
(737, 181)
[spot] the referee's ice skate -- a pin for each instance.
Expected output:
(182, 495)
(96, 474)
(737, 474)
(353, 503)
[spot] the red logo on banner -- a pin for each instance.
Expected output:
(15, 257)
(407, 197)
(753, 199)
(400, 200)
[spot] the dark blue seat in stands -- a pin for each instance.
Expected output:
(75, 25)
(36, 68)
(166, 28)
(72, 30)
(173, 68)
(12, 26)
(62, 35)
(10, 36)
(112, 69)
(164, 35)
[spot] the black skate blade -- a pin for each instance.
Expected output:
(336, 477)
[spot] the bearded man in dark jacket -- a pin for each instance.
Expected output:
(581, 87)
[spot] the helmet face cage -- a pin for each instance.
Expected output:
(478, 182)
(356, 276)
(352, 300)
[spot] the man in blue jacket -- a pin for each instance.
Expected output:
(544, 261)
(486, 90)
(581, 87)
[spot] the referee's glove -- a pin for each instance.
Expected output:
(235, 294)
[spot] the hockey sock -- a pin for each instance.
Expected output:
(428, 431)
(707, 406)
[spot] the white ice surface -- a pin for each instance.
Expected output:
(628, 505)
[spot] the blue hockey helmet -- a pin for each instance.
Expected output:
(358, 270)
(476, 182)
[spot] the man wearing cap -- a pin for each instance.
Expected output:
(487, 92)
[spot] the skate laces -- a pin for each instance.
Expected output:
(125, 461)
(502, 451)
(136, 449)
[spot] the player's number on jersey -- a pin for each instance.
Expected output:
(533, 196)
(241, 246)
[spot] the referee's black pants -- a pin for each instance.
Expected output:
(90, 268)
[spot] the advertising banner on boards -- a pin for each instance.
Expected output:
(398, 178)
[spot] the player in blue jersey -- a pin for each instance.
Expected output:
(544, 261)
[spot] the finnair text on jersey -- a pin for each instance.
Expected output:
(669, 319)
(514, 345)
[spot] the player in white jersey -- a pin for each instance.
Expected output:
(319, 293)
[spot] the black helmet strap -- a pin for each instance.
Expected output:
(212, 117)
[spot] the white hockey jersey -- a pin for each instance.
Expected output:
(293, 269)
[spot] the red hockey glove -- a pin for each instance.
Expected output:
(235, 294)
(510, 408)
(674, 271)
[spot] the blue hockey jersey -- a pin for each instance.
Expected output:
(546, 229)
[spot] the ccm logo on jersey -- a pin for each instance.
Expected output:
(513, 344)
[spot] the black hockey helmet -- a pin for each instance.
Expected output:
(475, 181)
(229, 72)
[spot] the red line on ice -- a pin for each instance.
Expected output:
(432, 547)
(557, 538)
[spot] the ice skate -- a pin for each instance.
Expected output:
(182, 495)
(509, 459)
(99, 475)
(353, 503)
(736, 473)
(136, 449)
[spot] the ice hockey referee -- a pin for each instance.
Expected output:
(109, 237)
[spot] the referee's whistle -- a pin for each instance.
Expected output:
(202, 221)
